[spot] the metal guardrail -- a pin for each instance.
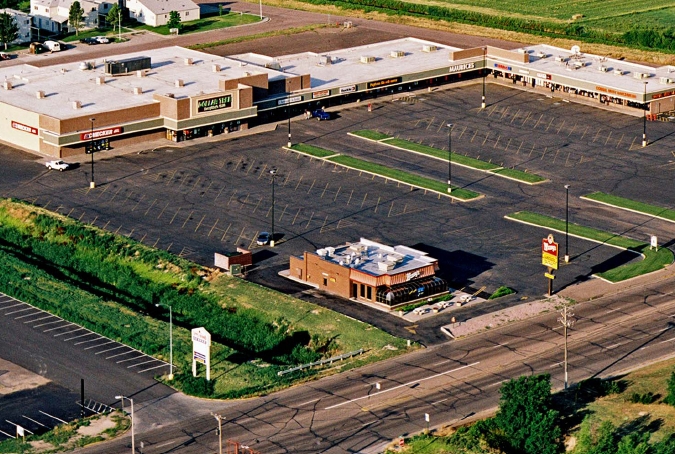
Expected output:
(95, 407)
(323, 361)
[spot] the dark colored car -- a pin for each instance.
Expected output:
(90, 40)
(263, 239)
(320, 114)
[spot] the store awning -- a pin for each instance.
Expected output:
(412, 290)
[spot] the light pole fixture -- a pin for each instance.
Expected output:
(92, 184)
(170, 337)
(273, 172)
(566, 321)
(219, 418)
(121, 398)
(449, 157)
(288, 106)
(644, 119)
(260, 9)
(482, 105)
(567, 222)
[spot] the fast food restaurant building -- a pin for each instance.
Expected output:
(369, 271)
(181, 94)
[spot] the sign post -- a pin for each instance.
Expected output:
(549, 258)
(201, 351)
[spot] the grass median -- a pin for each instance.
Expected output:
(386, 172)
(653, 260)
(632, 205)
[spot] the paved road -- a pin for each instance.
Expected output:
(453, 382)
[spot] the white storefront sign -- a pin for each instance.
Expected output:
(201, 351)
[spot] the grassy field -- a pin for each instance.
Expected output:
(109, 284)
(632, 205)
(212, 22)
(653, 260)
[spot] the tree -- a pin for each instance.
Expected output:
(9, 31)
(114, 17)
(75, 15)
(670, 398)
(525, 415)
(174, 20)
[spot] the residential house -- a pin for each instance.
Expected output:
(156, 12)
(23, 22)
(52, 15)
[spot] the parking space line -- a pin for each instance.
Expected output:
(9, 307)
(69, 332)
(144, 362)
(81, 335)
(90, 340)
(53, 417)
(120, 354)
(20, 310)
(174, 215)
(31, 419)
(109, 350)
(129, 359)
(151, 205)
(30, 315)
(38, 319)
(189, 216)
(49, 323)
(58, 327)
(152, 368)
(100, 345)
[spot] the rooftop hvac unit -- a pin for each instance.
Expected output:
(330, 251)
(7, 85)
(140, 73)
(602, 68)
(169, 95)
(77, 105)
(276, 65)
(429, 48)
(560, 59)
(522, 51)
(618, 72)
(579, 64)
(542, 55)
(385, 266)
(639, 75)
(117, 67)
(397, 53)
(178, 83)
(100, 81)
(40, 94)
(666, 80)
(138, 91)
(321, 252)
(188, 62)
(367, 59)
(215, 68)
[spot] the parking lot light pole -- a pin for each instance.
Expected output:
(219, 418)
(170, 338)
(121, 398)
(567, 222)
(288, 106)
(92, 185)
(273, 172)
(482, 105)
(644, 119)
(449, 157)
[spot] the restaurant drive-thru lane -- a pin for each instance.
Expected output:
(451, 382)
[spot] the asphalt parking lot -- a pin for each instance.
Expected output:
(214, 196)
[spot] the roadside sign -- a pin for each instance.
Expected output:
(549, 252)
(549, 275)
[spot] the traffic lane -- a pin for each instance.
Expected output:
(66, 364)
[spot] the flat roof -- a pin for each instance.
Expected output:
(345, 66)
(597, 69)
(376, 258)
(62, 84)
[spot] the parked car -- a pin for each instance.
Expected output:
(420, 310)
(320, 114)
(263, 238)
(5, 56)
(442, 304)
(52, 46)
(90, 40)
(58, 165)
(101, 39)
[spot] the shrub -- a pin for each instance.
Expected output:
(501, 291)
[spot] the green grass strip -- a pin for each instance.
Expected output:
(312, 150)
(442, 154)
(518, 175)
(405, 177)
(370, 134)
(241, 39)
(632, 205)
(653, 260)
(210, 22)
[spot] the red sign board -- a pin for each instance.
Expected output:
(24, 128)
(99, 134)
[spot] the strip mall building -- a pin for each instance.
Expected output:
(371, 272)
(183, 94)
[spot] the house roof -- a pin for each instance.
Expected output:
(166, 6)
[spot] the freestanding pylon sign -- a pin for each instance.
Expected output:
(201, 350)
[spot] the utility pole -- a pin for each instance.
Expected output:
(219, 418)
(566, 321)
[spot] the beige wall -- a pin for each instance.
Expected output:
(23, 139)
(507, 55)
(467, 53)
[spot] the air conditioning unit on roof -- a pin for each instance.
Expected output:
(429, 48)
(367, 59)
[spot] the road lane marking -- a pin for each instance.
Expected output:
(402, 386)
(555, 365)
(442, 362)
(120, 354)
(8, 435)
(500, 345)
(18, 426)
(81, 335)
(667, 340)
(439, 401)
(308, 402)
(496, 383)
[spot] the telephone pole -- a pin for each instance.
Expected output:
(566, 321)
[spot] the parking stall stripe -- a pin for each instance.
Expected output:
(200, 223)
(120, 354)
(81, 335)
(109, 350)
(189, 216)
(31, 419)
(68, 332)
(38, 319)
(9, 307)
(90, 340)
(152, 368)
(129, 359)
(58, 327)
(20, 310)
(100, 345)
(8, 435)
(54, 417)
(151, 205)
(49, 323)
(140, 364)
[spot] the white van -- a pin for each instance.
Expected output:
(52, 46)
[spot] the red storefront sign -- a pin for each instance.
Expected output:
(24, 128)
(99, 134)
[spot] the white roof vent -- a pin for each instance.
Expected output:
(7, 85)
(666, 80)
(40, 94)
(215, 68)
(367, 59)
(321, 252)
(100, 80)
(560, 59)
(178, 83)
(330, 251)
(397, 54)
(429, 48)
(542, 55)
(576, 50)
(276, 65)
(618, 72)
(602, 68)
(188, 62)
(138, 91)
(140, 73)
(639, 75)
(77, 105)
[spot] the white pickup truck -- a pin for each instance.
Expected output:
(57, 165)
